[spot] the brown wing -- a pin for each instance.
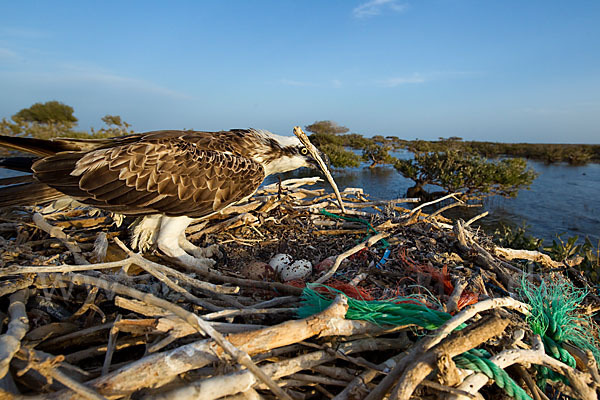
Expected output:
(157, 175)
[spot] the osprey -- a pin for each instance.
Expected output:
(169, 178)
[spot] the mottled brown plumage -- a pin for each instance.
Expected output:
(178, 175)
(169, 172)
(172, 175)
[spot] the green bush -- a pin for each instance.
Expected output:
(474, 175)
(55, 119)
(340, 157)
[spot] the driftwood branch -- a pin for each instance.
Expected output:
(160, 368)
(440, 334)
(10, 342)
(58, 233)
(532, 255)
(338, 261)
(315, 153)
(460, 342)
(579, 381)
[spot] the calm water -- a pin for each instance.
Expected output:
(563, 199)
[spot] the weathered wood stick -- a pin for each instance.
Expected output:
(14, 285)
(160, 368)
(453, 195)
(338, 261)
(357, 388)
(10, 342)
(452, 303)
(440, 334)
(37, 269)
(219, 386)
(544, 259)
(315, 153)
(476, 218)
(110, 347)
(291, 184)
(581, 382)
(58, 233)
(460, 342)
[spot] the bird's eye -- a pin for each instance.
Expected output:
(304, 151)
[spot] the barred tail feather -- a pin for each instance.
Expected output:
(27, 194)
(40, 147)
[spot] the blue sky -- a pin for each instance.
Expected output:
(500, 70)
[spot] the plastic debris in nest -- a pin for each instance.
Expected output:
(399, 311)
(555, 316)
(441, 276)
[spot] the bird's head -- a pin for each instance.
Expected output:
(285, 153)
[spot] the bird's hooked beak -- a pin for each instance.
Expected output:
(325, 158)
(314, 163)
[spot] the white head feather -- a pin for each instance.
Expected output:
(285, 163)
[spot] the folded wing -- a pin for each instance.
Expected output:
(151, 175)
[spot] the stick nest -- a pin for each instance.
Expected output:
(85, 317)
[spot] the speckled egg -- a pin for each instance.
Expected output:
(258, 270)
(326, 264)
(279, 261)
(297, 270)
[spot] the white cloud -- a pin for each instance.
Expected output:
(376, 7)
(81, 79)
(90, 73)
(403, 80)
(336, 83)
(429, 76)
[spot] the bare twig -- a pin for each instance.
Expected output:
(110, 348)
(315, 153)
(461, 341)
(476, 218)
(338, 261)
(451, 195)
(58, 233)
(10, 342)
(579, 381)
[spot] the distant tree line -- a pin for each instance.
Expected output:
(55, 119)
(450, 167)
(574, 154)
(451, 163)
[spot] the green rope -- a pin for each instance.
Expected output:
(400, 311)
(556, 318)
(359, 220)
(474, 361)
(557, 351)
(405, 311)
